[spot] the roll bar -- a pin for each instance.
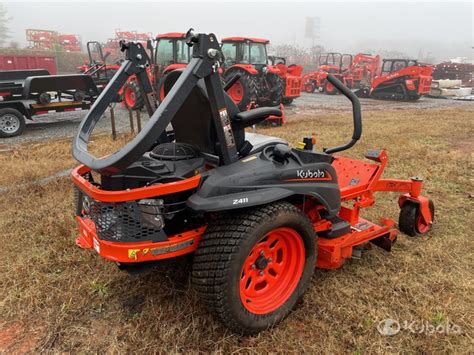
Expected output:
(203, 65)
(356, 115)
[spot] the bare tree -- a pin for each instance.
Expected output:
(4, 22)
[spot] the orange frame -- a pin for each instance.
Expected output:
(331, 252)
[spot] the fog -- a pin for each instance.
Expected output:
(441, 30)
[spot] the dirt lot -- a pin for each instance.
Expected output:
(57, 297)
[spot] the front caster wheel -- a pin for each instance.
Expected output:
(411, 221)
(251, 268)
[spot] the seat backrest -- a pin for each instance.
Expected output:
(193, 123)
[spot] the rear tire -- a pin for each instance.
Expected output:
(287, 101)
(244, 91)
(276, 90)
(410, 221)
(309, 88)
(12, 122)
(252, 267)
(329, 88)
(132, 96)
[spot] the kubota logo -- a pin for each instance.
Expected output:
(310, 174)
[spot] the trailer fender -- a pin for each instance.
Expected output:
(38, 84)
(17, 105)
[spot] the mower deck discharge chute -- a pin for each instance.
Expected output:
(257, 214)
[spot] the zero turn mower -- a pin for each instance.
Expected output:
(257, 214)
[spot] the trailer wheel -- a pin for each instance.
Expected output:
(253, 266)
(410, 220)
(132, 96)
(287, 101)
(79, 96)
(329, 88)
(12, 122)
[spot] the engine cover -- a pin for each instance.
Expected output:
(266, 177)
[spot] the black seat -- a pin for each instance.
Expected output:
(193, 122)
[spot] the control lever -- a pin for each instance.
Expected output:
(281, 152)
(356, 115)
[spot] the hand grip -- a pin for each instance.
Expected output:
(356, 115)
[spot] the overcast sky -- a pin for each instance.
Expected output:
(444, 29)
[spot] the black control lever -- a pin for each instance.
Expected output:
(356, 115)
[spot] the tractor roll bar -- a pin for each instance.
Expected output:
(356, 114)
(202, 66)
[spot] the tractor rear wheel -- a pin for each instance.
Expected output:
(276, 90)
(329, 88)
(132, 96)
(253, 266)
(244, 90)
(411, 221)
(309, 87)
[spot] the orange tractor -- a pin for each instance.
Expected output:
(399, 79)
(261, 82)
(354, 71)
(395, 79)
(168, 52)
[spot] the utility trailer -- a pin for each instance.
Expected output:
(28, 93)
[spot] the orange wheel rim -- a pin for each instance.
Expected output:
(421, 225)
(162, 92)
(272, 271)
(329, 87)
(130, 97)
(236, 92)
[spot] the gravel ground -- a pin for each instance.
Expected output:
(64, 125)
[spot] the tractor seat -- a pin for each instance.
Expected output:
(193, 123)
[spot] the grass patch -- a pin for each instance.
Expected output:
(57, 297)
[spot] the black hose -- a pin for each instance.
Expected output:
(356, 114)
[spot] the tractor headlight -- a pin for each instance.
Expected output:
(151, 213)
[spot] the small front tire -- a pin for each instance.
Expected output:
(411, 221)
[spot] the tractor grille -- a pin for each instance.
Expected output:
(123, 222)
